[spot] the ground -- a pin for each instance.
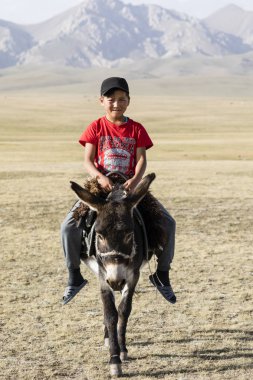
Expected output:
(203, 161)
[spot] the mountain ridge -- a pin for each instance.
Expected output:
(108, 33)
(234, 20)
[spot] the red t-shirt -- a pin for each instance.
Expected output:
(116, 145)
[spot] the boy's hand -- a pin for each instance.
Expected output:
(105, 182)
(131, 183)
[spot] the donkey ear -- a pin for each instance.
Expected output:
(95, 203)
(141, 190)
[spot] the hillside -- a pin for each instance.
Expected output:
(109, 33)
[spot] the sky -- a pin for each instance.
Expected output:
(33, 11)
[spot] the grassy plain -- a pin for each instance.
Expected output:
(203, 158)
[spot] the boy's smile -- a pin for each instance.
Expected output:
(115, 105)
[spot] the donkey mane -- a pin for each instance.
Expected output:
(149, 208)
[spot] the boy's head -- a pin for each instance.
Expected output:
(109, 85)
(115, 98)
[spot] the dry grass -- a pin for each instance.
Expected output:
(203, 161)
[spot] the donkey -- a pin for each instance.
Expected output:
(119, 254)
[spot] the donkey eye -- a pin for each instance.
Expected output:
(129, 236)
(100, 237)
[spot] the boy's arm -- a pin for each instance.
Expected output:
(89, 155)
(141, 164)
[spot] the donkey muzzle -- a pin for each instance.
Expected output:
(116, 285)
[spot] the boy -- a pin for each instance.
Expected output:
(114, 143)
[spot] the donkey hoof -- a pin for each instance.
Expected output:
(107, 342)
(123, 356)
(115, 370)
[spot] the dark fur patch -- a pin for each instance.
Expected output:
(149, 208)
(154, 220)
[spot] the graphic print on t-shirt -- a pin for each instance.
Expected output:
(117, 154)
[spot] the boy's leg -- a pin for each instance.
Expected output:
(71, 237)
(167, 255)
(161, 277)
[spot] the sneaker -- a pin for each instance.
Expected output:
(165, 290)
(71, 292)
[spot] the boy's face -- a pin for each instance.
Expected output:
(115, 105)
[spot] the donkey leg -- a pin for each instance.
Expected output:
(124, 311)
(106, 334)
(111, 321)
(106, 337)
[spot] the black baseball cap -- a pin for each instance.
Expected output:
(114, 82)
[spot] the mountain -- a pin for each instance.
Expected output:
(108, 33)
(13, 42)
(233, 20)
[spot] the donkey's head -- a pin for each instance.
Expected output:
(114, 228)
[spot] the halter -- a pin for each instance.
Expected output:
(113, 254)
